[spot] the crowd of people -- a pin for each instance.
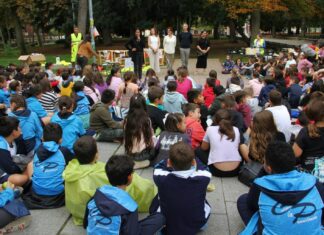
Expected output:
(51, 122)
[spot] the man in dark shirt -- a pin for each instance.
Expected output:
(185, 39)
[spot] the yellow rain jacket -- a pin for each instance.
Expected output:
(81, 182)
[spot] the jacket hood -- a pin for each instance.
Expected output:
(98, 105)
(209, 90)
(74, 171)
(63, 121)
(172, 97)
(22, 113)
(288, 188)
(79, 96)
(46, 150)
(112, 201)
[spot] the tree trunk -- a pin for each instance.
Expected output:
(83, 16)
(2, 38)
(303, 28)
(273, 31)
(289, 29)
(39, 38)
(232, 31)
(106, 34)
(297, 30)
(240, 30)
(216, 32)
(20, 37)
(255, 25)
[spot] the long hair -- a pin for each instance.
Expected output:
(315, 112)
(128, 77)
(113, 72)
(222, 119)
(137, 127)
(263, 130)
(137, 102)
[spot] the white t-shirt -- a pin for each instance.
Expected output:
(282, 120)
(169, 44)
(154, 42)
(222, 149)
(290, 62)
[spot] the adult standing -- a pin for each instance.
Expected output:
(169, 44)
(85, 52)
(136, 45)
(203, 48)
(185, 39)
(259, 43)
(76, 38)
(154, 45)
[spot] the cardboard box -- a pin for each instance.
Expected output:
(32, 58)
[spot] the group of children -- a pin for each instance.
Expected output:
(50, 125)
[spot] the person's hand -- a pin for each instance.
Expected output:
(134, 49)
(2, 106)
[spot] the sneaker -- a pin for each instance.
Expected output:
(17, 225)
(211, 187)
(141, 164)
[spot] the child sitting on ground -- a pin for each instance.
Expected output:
(256, 83)
(14, 216)
(243, 107)
(71, 124)
(4, 95)
(82, 109)
(112, 210)
(213, 76)
(173, 100)
(208, 92)
(66, 85)
(85, 174)
(181, 182)
(294, 92)
(101, 120)
(285, 201)
(193, 127)
(15, 87)
(14, 166)
(175, 131)
(264, 93)
(252, 101)
(169, 77)
(228, 65)
(195, 97)
(47, 190)
(155, 95)
(183, 83)
(31, 127)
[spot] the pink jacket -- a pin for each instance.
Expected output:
(304, 63)
(184, 87)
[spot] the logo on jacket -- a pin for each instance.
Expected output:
(47, 166)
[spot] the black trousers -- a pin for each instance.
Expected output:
(138, 58)
(152, 224)
(5, 218)
(242, 206)
(203, 157)
(82, 61)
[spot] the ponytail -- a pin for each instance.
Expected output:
(124, 91)
(113, 71)
(313, 131)
(223, 119)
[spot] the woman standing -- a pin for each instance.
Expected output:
(169, 44)
(85, 52)
(154, 45)
(203, 48)
(136, 45)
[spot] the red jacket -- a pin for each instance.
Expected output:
(209, 95)
(195, 131)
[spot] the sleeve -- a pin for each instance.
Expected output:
(6, 163)
(40, 111)
(206, 137)
(128, 44)
(105, 116)
(129, 224)
(190, 38)
(159, 121)
(38, 126)
(68, 156)
(302, 138)
(81, 129)
(180, 37)
(253, 198)
(241, 138)
(199, 133)
(6, 196)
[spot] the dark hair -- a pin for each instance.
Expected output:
(317, 86)
(88, 82)
(128, 76)
(137, 126)
(113, 71)
(181, 156)
(280, 157)
(78, 86)
(118, 169)
(19, 100)
(236, 80)
(153, 82)
(211, 82)
(137, 102)
(48, 64)
(192, 95)
(65, 76)
(2, 79)
(275, 97)
(33, 91)
(154, 93)
(98, 79)
(85, 149)
(8, 125)
(228, 101)
(172, 86)
(172, 121)
(222, 119)
(170, 72)
(107, 96)
(13, 85)
(189, 107)
(315, 112)
(150, 73)
(213, 74)
(256, 74)
(45, 85)
(239, 96)
(52, 132)
(65, 103)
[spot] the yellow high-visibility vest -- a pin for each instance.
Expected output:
(75, 41)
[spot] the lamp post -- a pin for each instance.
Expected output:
(93, 44)
(73, 11)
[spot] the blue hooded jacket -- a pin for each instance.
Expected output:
(111, 211)
(49, 164)
(4, 97)
(289, 203)
(34, 105)
(12, 206)
(72, 128)
(82, 102)
(264, 94)
(31, 128)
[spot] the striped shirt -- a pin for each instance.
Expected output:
(49, 101)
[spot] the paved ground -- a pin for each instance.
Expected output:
(290, 42)
(223, 221)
